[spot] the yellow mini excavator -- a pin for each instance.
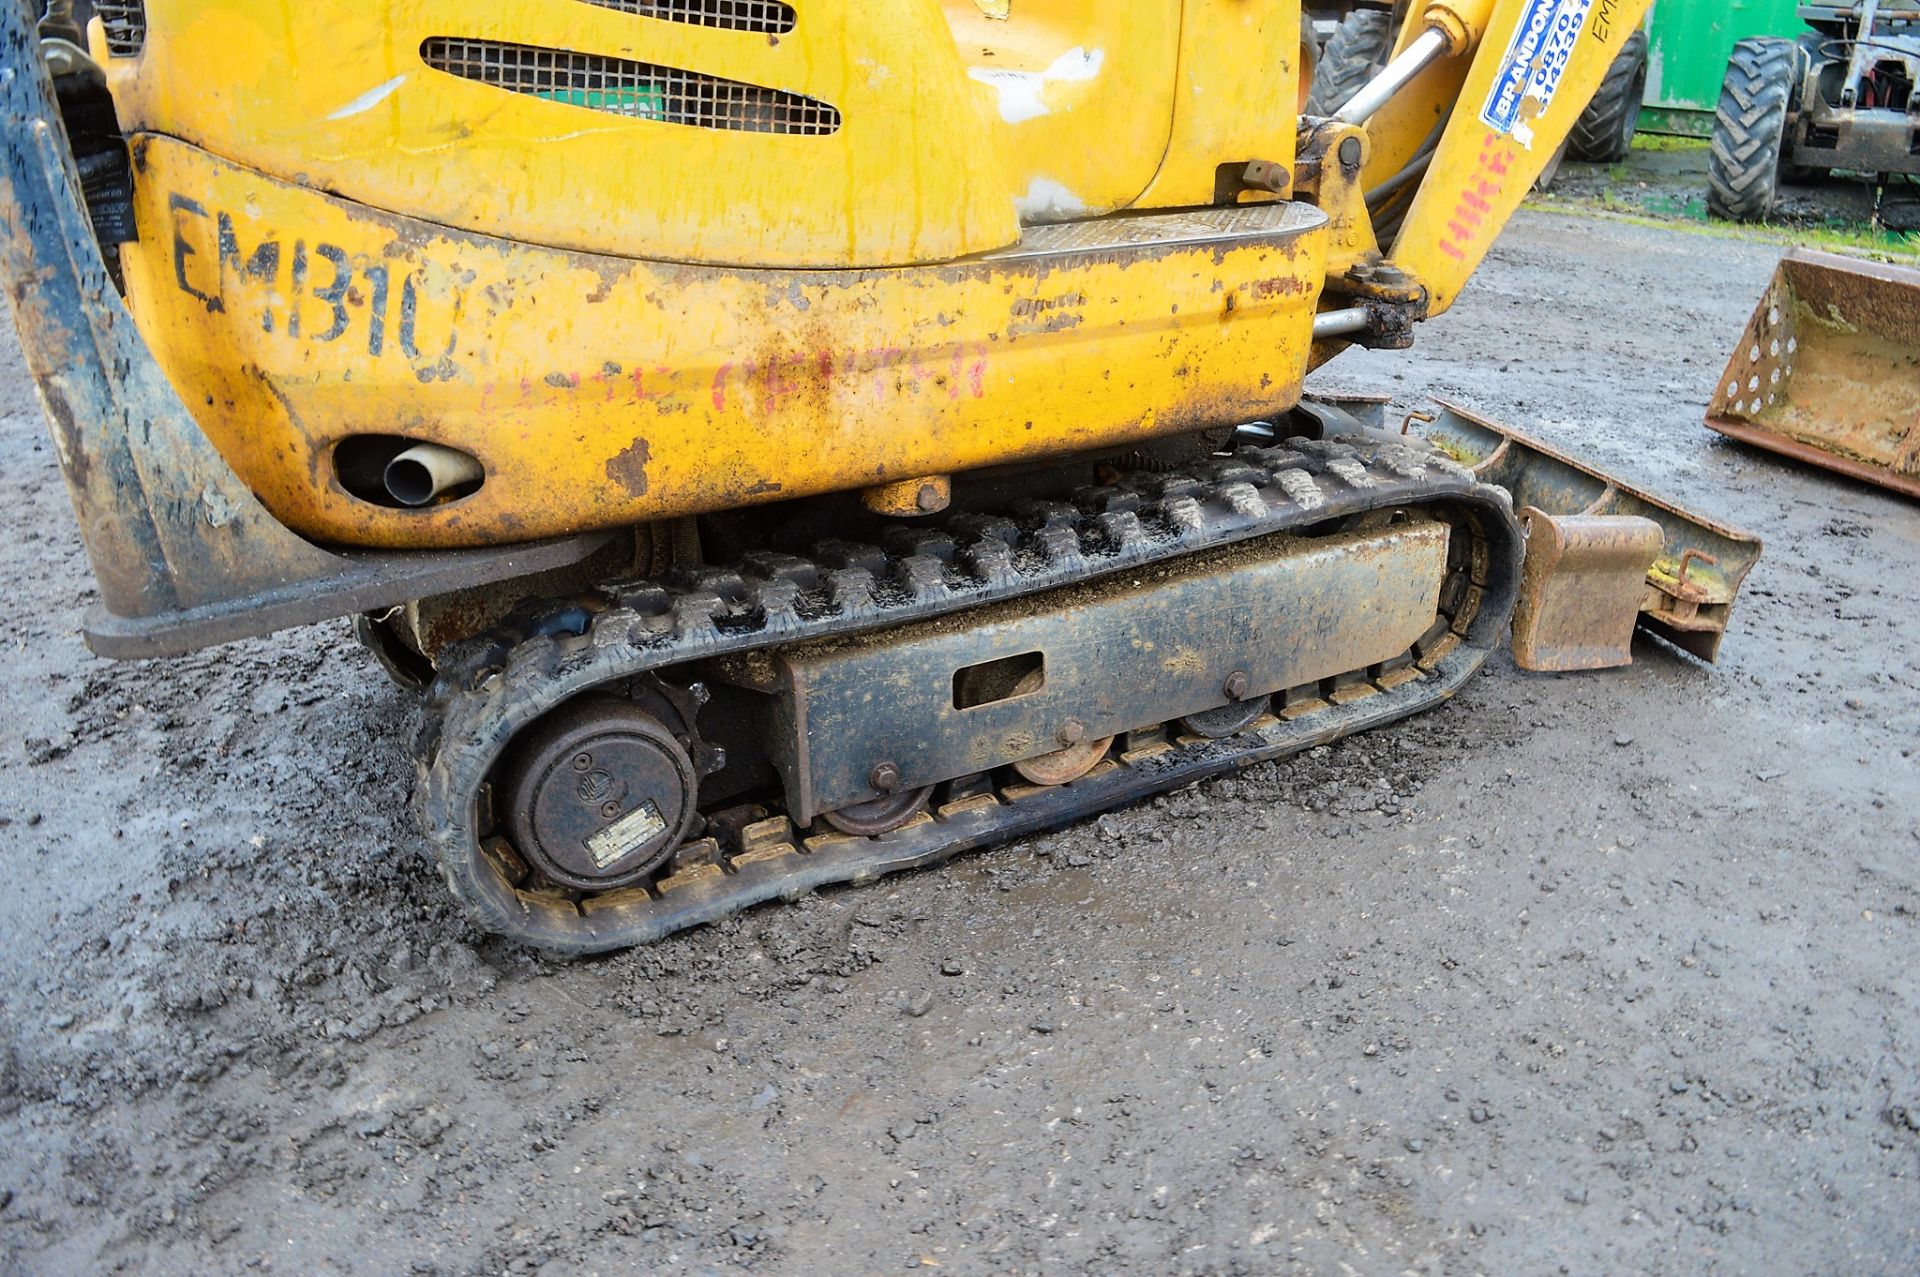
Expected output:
(786, 441)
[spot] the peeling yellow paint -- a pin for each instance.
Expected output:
(601, 391)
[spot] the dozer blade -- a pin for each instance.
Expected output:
(1829, 370)
(1603, 557)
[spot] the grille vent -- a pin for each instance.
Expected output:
(768, 16)
(126, 25)
(638, 90)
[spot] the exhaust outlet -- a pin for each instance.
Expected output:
(427, 471)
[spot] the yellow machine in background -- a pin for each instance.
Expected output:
(792, 440)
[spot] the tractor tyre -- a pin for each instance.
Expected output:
(1750, 129)
(1355, 52)
(1604, 132)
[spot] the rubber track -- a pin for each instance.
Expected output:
(1600, 136)
(490, 688)
(1355, 52)
(1749, 129)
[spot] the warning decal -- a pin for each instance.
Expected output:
(1542, 46)
(626, 835)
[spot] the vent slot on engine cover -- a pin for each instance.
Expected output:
(638, 90)
(769, 17)
(125, 22)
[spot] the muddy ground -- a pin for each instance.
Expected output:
(1667, 178)
(1609, 973)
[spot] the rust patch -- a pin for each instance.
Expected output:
(628, 467)
(1828, 370)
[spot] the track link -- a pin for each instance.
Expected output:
(490, 688)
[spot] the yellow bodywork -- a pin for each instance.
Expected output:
(641, 265)
(600, 391)
(924, 132)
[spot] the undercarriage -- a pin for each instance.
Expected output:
(783, 444)
(604, 769)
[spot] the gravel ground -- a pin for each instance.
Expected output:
(1608, 973)
(1672, 184)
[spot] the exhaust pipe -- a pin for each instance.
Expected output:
(426, 471)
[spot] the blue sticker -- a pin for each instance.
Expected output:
(1543, 44)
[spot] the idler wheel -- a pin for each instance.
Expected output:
(1075, 759)
(598, 793)
(879, 815)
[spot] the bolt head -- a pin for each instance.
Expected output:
(1072, 732)
(609, 810)
(1350, 152)
(1236, 684)
(884, 776)
(929, 498)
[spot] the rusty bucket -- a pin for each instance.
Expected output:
(1829, 370)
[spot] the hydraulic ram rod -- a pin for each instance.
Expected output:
(1429, 48)
(1450, 28)
(1339, 323)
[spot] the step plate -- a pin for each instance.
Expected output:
(1240, 224)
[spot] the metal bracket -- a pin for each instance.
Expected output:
(1385, 301)
(1265, 175)
(1691, 613)
(1580, 589)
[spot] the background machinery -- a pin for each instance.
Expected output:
(786, 442)
(1840, 97)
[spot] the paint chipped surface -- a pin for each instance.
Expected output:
(628, 467)
(1022, 94)
(1048, 201)
(371, 98)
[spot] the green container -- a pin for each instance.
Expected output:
(1690, 42)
